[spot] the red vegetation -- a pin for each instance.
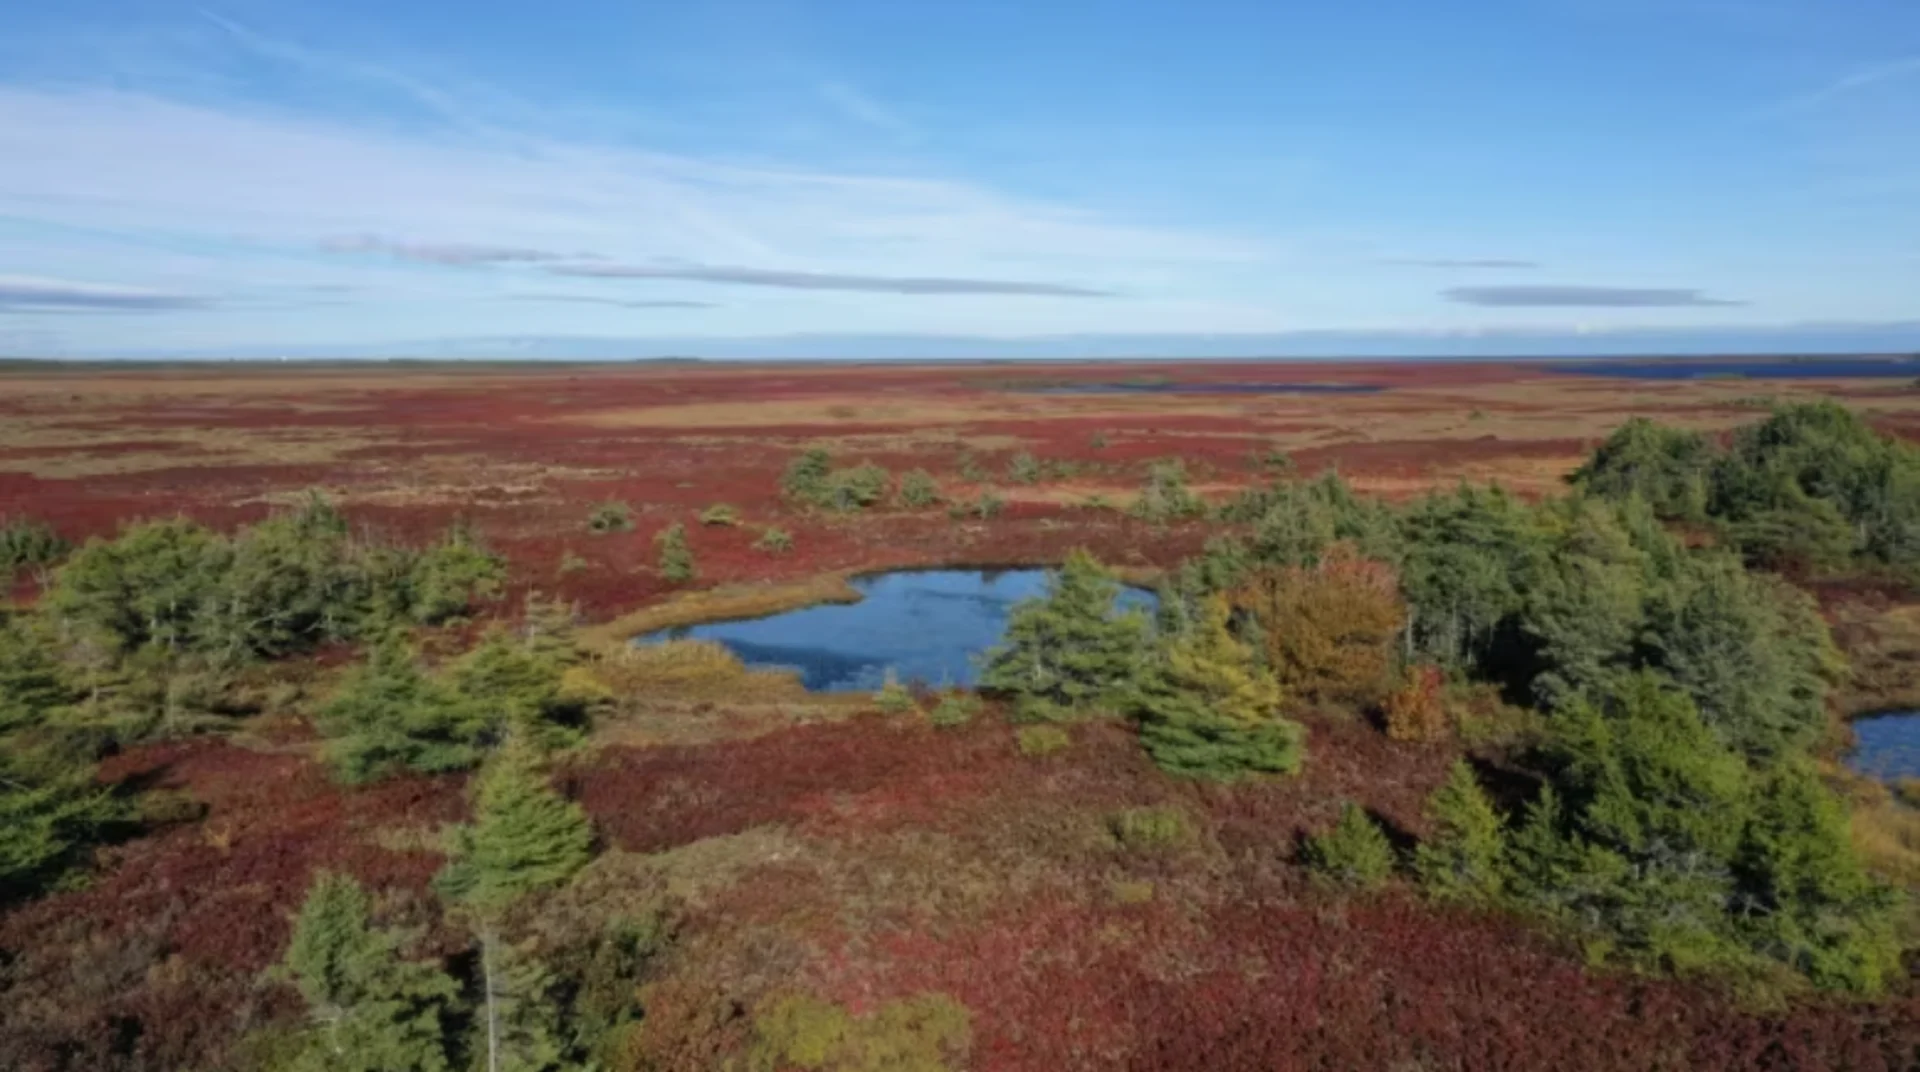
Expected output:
(156, 960)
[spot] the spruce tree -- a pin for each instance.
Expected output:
(1209, 711)
(372, 1011)
(1465, 859)
(1070, 650)
(525, 838)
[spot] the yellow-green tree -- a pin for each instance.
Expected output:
(1209, 710)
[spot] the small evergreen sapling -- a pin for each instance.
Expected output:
(676, 558)
(1465, 860)
(524, 838)
(1355, 853)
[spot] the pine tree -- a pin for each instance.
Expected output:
(525, 838)
(372, 1010)
(1465, 859)
(1209, 711)
(1072, 649)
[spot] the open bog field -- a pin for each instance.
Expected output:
(1079, 907)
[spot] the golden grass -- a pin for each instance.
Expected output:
(716, 604)
(690, 669)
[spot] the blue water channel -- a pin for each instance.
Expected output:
(928, 626)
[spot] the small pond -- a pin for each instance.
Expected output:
(1889, 746)
(925, 625)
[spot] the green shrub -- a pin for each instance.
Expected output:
(570, 564)
(1024, 468)
(774, 540)
(918, 490)
(1354, 854)
(720, 515)
(806, 476)
(954, 709)
(1166, 497)
(1042, 740)
(893, 697)
(676, 558)
(812, 480)
(609, 517)
(1150, 829)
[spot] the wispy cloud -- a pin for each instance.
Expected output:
(1458, 262)
(624, 303)
(1855, 81)
(450, 253)
(294, 181)
(1583, 297)
(32, 294)
(797, 280)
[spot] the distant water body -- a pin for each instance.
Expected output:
(1756, 369)
(1173, 388)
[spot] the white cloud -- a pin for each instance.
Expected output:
(136, 162)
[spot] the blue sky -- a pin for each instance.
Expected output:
(1478, 176)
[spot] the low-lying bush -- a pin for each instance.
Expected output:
(609, 517)
(1042, 740)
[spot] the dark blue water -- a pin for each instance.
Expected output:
(1760, 369)
(1206, 389)
(925, 625)
(1889, 746)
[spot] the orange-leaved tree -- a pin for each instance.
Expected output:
(1328, 629)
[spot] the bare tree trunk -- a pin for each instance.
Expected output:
(493, 1011)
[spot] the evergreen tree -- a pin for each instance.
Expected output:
(1355, 853)
(1666, 467)
(524, 838)
(1207, 710)
(1586, 604)
(372, 1011)
(453, 577)
(1465, 858)
(1070, 650)
(1806, 900)
(1751, 651)
(148, 586)
(389, 716)
(51, 813)
(676, 558)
